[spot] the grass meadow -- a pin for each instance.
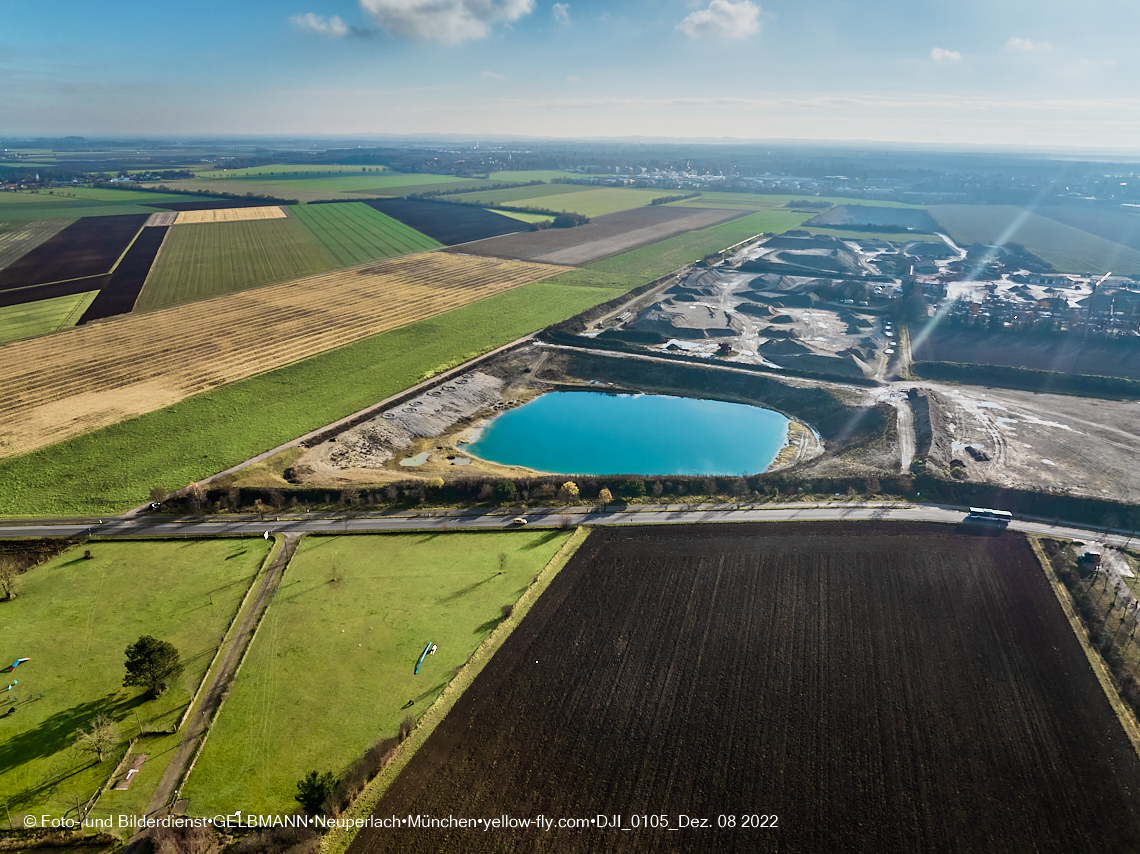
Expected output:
(520, 196)
(74, 618)
(1068, 249)
(285, 170)
(592, 201)
(331, 668)
(353, 233)
(523, 217)
(39, 318)
(113, 468)
(82, 201)
(207, 259)
(349, 187)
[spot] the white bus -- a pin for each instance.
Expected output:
(984, 513)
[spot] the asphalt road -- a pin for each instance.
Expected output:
(206, 526)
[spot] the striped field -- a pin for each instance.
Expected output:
(42, 316)
(96, 375)
(229, 215)
(353, 233)
(222, 257)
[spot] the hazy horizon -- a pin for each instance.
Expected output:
(1036, 76)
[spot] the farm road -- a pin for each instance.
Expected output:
(199, 723)
(459, 520)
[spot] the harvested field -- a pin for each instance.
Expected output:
(1119, 225)
(88, 247)
(22, 238)
(96, 375)
(603, 236)
(229, 215)
(877, 687)
(449, 224)
(353, 233)
(126, 283)
(166, 218)
(216, 258)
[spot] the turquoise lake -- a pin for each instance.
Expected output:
(572, 432)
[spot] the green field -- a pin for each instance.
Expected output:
(112, 469)
(524, 177)
(83, 201)
(518, 196)
(762, 201)
(74, 618)
(40, 318)
(523, 217)
(1068, 249)
(353, 233)
(331, 668)
(305, 188)
(290, 169)
(207, 259)
(592, 202)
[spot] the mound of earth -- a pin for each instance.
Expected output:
(786, 347)
(783, 318)
(873, 342)
(801, 240)
(857, 352)
(772, 332)
(926, 249)
(687, 321)
(830, 260)
(754, 310)
(845, 366)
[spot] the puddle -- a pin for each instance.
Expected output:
(418, 460)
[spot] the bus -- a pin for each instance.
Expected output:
(984, 514)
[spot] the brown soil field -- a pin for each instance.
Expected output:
(877, 687)
(123, 286)
(24, 237)
(91, 376)
(602, 237)
(1068, 354)
(229, 215)
(447, 222)
(88, 247)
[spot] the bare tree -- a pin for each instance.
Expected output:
(101, 738)
(9, 573)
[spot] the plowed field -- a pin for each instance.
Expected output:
(602, 237)
(99, 374)
(875, 687)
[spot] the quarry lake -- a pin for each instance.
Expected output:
(597, 433)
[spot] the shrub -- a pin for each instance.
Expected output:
(505, 490)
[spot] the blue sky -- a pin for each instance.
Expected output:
(1002, 72)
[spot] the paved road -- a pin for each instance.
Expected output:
(463, 520)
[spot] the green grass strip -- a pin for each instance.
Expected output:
(353, 233)
(112, 469)
(337, 840)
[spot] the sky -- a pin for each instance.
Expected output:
(1021, 73)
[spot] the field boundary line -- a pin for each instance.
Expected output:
(278, 544)
(119, 260)
(337, 840)
(286, 558)
(150, 272)
(1123, 713)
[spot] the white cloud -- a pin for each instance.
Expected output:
(561, 13)
(491, 75)
(334, 27)
(724, 19)
(1027, 46)
(572, 78)
(447, 21)
(942, 56)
